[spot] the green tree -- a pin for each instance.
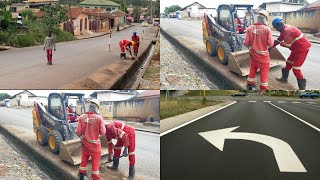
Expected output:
(27, 13)
(136, 12)
(54, 15)
(5, 18)
(123, 5)
(171, 9)
(4, 96)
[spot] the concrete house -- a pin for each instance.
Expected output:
(26, 98)
(196, 10)
(108, 6)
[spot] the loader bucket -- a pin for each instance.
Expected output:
(239, 62)
(70, 151)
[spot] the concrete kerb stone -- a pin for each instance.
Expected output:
(172, 122)
(147, 130)
(114, 76)
(194, 57)
(45, 164)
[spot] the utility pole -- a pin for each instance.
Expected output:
(71, 22)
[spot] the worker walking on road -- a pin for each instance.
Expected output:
(135, 38)
(292, 38)
(90, 126)
(125, 136)
(125, 45)
(258, 39)
(49, 44)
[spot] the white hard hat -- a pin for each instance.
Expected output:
(265, 13)
(96, 102)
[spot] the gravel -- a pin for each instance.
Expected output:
(15, 166)
(176, 72)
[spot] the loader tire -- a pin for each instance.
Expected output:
(42, 135)
(223, 51)
(211, 46)
(54, 140)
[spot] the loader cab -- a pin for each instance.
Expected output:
(232, 17)
(58, 105)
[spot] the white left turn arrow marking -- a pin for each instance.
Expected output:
(286, 158)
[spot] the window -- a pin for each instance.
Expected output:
(56, 107)
(225, 19)
(108, 9)
(113, 8)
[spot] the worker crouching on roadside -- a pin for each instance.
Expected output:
(258, 40)
(90, 126)
(125, 136)
(292, 38)
(125, 45)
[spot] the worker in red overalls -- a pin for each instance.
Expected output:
(259, 39)
(90, 126)
(135, 38)
(125, 136)
(292, 38)
(125, 45)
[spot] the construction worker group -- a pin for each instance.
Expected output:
(259, 40)
(125, 45)
(90, 127)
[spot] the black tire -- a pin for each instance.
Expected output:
(211, 46)
(223, 54)
(42, 135)
(54, 143)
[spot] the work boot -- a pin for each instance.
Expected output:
(115, 165)
(284, 77)
(81, 175)
(302, 83)
(131, 172)
(250, 87)
(50, 63)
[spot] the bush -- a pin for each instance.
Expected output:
(25, 40)
(4, 36)
(61, 36)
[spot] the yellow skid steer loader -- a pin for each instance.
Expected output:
(55, 126)
(224, 38)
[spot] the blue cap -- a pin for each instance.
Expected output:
(134, 33)
(276, 21)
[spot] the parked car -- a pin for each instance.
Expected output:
(241, 94)
(144, 24)
(309, 95)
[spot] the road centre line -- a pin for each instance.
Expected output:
(296, 102)
(189, 122)
(310, 105)
(252, 101)
(314, 127)
(282, 102)
(267, 101)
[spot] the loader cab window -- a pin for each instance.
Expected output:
(225, 19)
(55, 107)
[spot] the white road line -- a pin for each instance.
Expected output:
(314, 127)
(282, 102)
(296, 102)
(311, 103)
(252, 101)
(189, 122)
(267, 101)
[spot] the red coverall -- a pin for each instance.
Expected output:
(70, 115)
(125, 136)
(90, 125)
(135, 38)
(298, 44)
(123, 44)
(258, 39)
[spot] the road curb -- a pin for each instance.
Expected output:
(106, 33)
(43, 163)
(147, 130)
(170, 124)
(114, 76)
(227, 83)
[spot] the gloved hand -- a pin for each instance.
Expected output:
(44, 48)
(125, 151)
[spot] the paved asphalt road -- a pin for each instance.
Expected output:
(26, 68)
(187, 155)
(147, 147)
(192, 31)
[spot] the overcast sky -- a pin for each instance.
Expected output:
(47, 92)
(212, 3)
